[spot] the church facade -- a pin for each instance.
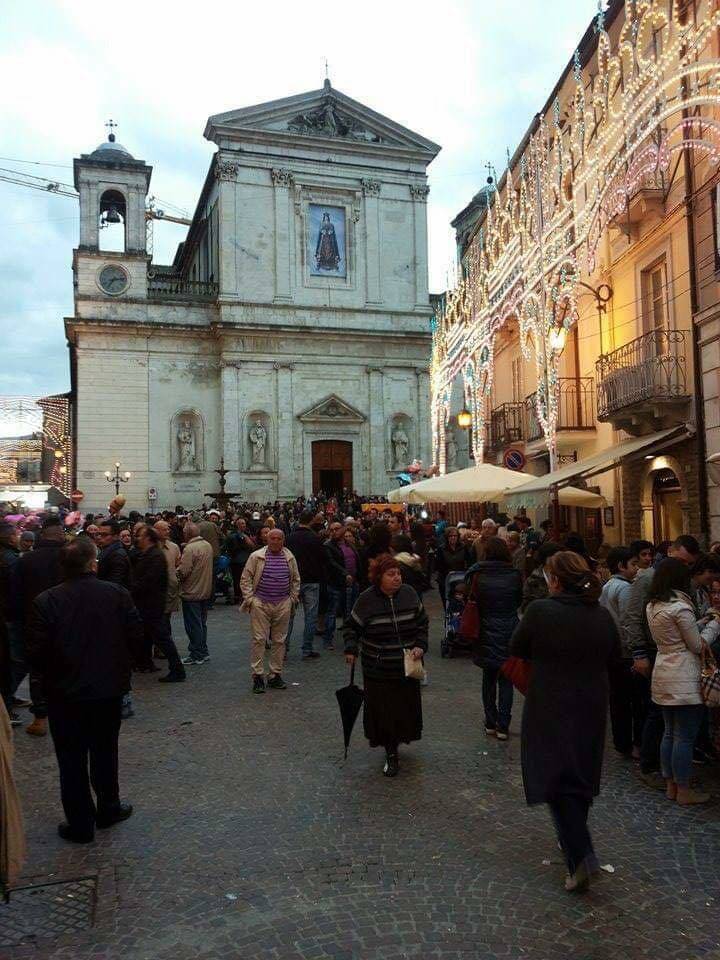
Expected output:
(290, 337)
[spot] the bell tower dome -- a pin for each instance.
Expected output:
(111, 257)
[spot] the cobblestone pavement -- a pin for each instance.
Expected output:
(252, 839)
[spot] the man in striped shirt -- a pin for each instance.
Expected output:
(270, 585)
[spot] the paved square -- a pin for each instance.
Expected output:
(252, 839)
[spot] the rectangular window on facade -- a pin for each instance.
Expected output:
(654, 294)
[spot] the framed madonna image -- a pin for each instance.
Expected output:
(326, 244)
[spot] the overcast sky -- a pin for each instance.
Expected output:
(467, 74)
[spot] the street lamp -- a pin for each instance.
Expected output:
(464, 418)
(117, 479)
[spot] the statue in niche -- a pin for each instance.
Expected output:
(187, 448)
(400, 445)
(258, 440)
(451, 451)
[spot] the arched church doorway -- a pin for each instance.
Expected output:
(331, 466)
(666, 500)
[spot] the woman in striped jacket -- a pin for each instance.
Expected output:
(387, 619)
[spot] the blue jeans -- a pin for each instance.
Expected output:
(676, 750)
(335, 597)
(195, 619)
(310, 600)
(351, 594)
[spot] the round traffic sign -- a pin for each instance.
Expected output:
(514, 459)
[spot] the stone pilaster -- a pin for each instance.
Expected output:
(371, 194)
(287, 481)
(378, 440)
(419, 194)
(423, 416)
(229, 406)
(226, 173)
(283, 182)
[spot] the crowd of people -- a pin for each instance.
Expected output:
(627, 631)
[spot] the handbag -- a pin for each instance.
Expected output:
(709, 678)
(469, 628)
(517, 671)
(414, 669)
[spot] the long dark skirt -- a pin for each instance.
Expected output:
(393, 712)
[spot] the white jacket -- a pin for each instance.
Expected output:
(676, 674)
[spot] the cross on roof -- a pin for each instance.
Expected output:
(111, 125)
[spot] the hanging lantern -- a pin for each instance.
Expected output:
(464, 418)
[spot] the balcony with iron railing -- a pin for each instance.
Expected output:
(168, 287)
(506, 425)
(576, 408)
(644, 385)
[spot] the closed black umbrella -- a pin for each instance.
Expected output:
(350, 700)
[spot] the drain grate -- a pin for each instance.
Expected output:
(44, 910)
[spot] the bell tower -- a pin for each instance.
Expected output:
(111, 258)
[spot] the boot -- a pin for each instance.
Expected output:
(686, 796)
(392, 763)
(38, 727)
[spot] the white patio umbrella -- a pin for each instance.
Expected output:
(485, 483)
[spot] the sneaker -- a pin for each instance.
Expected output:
(313, 655)
(490, 731)
(201, 660)
(276, 682)
(501, 734)
(258, 684)
(38, 727)
(15, 720)
(578, 882)
(19, 703)
(194, 661)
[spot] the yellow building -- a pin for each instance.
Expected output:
(570, 337)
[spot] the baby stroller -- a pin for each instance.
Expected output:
(452, 643)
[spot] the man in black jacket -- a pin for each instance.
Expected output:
(114, 562)
(338, 579)
(149, 591)
(79, 640)
(307, 548)
(238, 547)
(36, 571)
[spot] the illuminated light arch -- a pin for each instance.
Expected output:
(537, 234)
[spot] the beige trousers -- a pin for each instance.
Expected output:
(268, 621)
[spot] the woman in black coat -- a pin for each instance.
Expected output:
(571, 642)
(497, 590)
(451, 557)
(387, 620)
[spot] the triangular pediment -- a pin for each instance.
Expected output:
(331, 409)
(320, 115)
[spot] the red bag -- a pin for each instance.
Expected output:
(470, 622)
(518, 673)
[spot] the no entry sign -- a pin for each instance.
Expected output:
(514, 459)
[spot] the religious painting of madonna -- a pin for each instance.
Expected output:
(326, 241)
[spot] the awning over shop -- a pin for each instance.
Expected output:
(485, 483)
(538, 491)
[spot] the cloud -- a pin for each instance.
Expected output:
(462, 73)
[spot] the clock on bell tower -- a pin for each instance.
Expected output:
(111, 259)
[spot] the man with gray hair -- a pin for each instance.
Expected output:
(195, 573)
(270, 585)
(488, 530)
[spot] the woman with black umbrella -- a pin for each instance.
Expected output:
(571, 642)
(388, 621)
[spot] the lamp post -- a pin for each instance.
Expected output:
(117, 479)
